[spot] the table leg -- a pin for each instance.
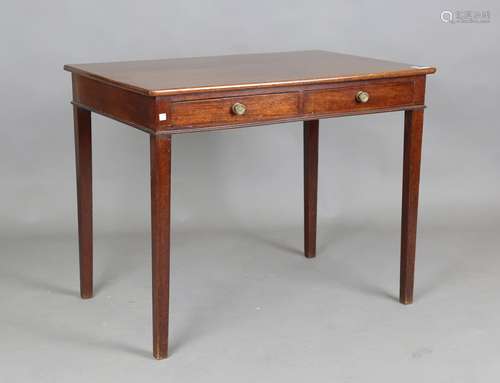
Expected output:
(160, 149)
(83, 152)
(411, 178)
(311, 130)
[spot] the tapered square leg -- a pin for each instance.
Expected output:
(411, 179)
(160, 149)
(83, 151)
(311, 132)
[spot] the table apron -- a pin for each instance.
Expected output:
(213, 111)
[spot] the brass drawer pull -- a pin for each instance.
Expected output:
(239, 109)
(362, 97)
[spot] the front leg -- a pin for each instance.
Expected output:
(160, 151)
(411, 178)
(311, 130)
(83, 154)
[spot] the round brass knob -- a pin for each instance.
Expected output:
(239, 109)
(362, 96)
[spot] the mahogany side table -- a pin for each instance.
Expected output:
(174, 96)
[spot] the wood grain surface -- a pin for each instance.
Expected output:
(249, 71)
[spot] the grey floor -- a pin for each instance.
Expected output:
(246, 306)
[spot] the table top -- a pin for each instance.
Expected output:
(248, 71)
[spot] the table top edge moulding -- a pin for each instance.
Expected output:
(165, 77)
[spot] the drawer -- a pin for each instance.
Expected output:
(235, 110)
(344, 99)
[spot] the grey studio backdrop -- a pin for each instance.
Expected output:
(238, 193)
(252, 174)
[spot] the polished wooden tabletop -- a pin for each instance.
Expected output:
(248, 71)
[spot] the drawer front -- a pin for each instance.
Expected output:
(222, 111)
(344, 99)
